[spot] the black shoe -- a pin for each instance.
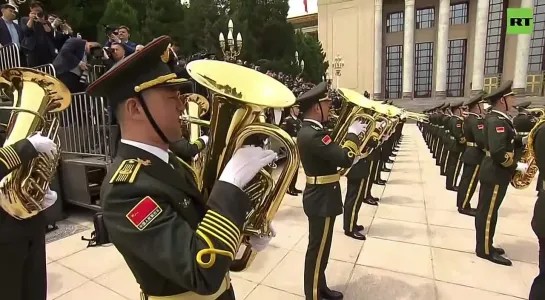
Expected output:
(360, 228)
(370, 202)
(393, 155)
(496, 258)
(293, 193)
(355, 235)
(386, 170)
(329, 294)
(389, 161)
(500, 251)
(380, 182)
(467, 211)
(454, 188)
(297, 191)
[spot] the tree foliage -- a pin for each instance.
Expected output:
(195, 27)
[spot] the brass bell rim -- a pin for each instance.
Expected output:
(63, 94)
(252, 87)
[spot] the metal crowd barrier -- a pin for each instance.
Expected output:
(9, 57)
(85, 127)
(95, 73)
(49, 69)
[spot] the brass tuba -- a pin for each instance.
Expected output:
(523, 180)
(238, 97)
(36, 96)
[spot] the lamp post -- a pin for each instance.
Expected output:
(338, 64)
(231, 50)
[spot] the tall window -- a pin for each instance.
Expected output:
(456, 67)
(423, 56)
(458, 13)
(425, 18)
(394, 22)
(493, 63)
(394, 70)
(535, 59)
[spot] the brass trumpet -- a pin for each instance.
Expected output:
(238, 96)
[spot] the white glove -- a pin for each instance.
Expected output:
(522, 167)
(245, 164)
(50, 198)
(261, 243)
(357, 127)
(43, 145)
(205, 139)
(524, 140)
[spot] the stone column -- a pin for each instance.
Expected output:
(377, 77)
(408, 51)
(481, 26)
(442, 49)
(521, 60)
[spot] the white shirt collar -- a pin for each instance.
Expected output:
(160, 153)
(502, 113)
(315, 122)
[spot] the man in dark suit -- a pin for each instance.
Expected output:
(71, 64)
(37, 37)
(10, 33)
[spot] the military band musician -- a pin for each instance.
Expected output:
(177, 246)
(322, 199)
(23, 273)
(292, 124)
(497, 169)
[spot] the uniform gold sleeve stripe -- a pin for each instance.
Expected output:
(217, 236)
(10, 157)
(352, 146)
(224, 219)
(211, 251)
(508, 160)
(222, 225)
(217, 228)
(199, 143)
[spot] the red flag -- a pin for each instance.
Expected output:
(306, 5)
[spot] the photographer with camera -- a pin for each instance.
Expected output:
(120, 35)
(61, 31)
(37, 37)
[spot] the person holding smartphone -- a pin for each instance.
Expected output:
(37, 36)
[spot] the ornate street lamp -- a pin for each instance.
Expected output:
(232, 50)
(338, 64)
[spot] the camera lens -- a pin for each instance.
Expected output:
(40, 15)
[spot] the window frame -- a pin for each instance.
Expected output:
(493, 61)
(450, 69)
(537, 44)
(465, 16)
(396, 82)
(423, 68)
(398, 27)
(430, 22)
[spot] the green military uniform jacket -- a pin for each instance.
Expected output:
(499, 164)
(457, 138)
(185, 149)
(474, 134)
(171, 240)
(538, 222)
(320, 156)
(291, 125)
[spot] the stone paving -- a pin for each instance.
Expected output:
(418, 248)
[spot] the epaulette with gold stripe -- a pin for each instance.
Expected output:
(128, 170)
(222, 229)
(9, 157)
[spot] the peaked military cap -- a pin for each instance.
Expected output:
(313, 96)
(503, 91)
(456, 105)
(523, 105)
(445, 106)
(476, 99)
(140, 71)
(8, 5)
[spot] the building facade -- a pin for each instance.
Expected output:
(418, 49)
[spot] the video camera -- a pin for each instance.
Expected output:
(110, 29)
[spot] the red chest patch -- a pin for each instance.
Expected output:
(500, 129)
(144, 213)
(326, 140)
(480, 126)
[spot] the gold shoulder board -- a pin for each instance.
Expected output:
(128, 169)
